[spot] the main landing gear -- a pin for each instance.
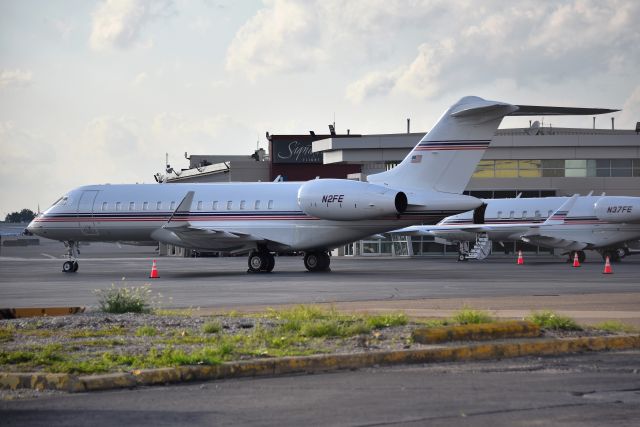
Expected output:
(73, 249)
(317, 261)
(261, 261)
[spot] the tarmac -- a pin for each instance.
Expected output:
(422, 287)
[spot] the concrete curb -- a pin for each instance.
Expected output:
(478, 332)
(318, 363)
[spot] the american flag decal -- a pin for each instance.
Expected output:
(416, 158)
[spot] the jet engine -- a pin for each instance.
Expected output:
(618, 209)
(344, 200)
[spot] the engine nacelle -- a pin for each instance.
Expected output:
(344, 200)
(618, 209)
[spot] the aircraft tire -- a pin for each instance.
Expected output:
(75, 266)
(271, 262)
(67, 267)
(257, 262)
(461, 257)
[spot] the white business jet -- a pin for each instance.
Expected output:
(314, 216)
(603, 223)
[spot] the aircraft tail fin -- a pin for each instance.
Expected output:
(445, 158)
(561, 213)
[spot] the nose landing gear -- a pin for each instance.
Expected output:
(73, 249)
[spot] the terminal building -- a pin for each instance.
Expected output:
(525, 162)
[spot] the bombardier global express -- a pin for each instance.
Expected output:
(572, 224)
(314, 216)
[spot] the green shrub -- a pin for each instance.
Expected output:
(468, 316)
(322, 328)
(550, 320)
(125, 300)
(212, 327)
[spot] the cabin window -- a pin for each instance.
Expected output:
(257, 205)
(118, 206)
(511, 214)
(215, 205)
(229, 205)
(172, 206)
(145, 206)
(243, 204)
(537, 214)
(499, 214)
(524, 214)
(200, 205)
(132, 206)
(270, 205)
(158, 206)
(104, 206)
(549, 213)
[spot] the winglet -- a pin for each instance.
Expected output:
(183, 208)
(560, 214)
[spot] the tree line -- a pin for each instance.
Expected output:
(25, 215)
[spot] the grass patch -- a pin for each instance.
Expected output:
(6, 334)
(550, 320)
(146, 331)
(97, 333)
(469, 316)
(134, 299)
(387, 320)
(614, 326)
(212, 327)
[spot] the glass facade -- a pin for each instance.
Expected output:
(575, 168)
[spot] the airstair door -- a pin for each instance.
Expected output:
(85, 213)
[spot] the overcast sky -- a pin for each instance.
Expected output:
(97, 91)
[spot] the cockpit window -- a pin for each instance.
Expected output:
(61, 201)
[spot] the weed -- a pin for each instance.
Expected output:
(212, 327)
(434, 323)
(95, 333)
(6, 334)
(550, 320)
(467, 316)
(614, 326)
(146, 331)
(125, 299)
(387, 320)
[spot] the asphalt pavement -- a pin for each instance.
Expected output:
(594, 389)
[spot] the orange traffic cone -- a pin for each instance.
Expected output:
(576, 261)
(520, 259)
(607, 267)
(154, 271)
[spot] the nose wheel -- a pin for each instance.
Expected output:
(71, 266)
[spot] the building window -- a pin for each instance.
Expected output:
(257, 205)
(145, 206)
(242, 204)
(270, 205)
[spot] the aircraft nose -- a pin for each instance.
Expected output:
(32, 227)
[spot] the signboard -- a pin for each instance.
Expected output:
(294, 150)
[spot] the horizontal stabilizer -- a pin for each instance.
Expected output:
(536, 110)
